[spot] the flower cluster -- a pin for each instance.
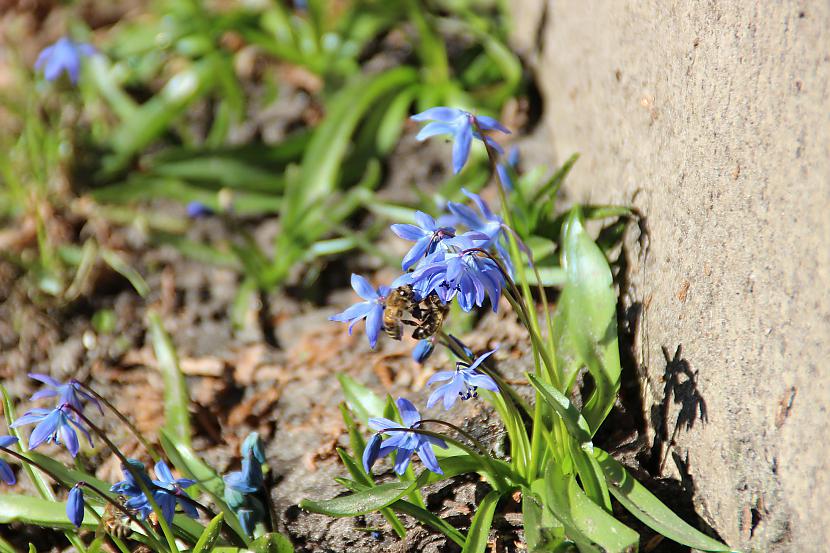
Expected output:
(167, 491)
(243, 488)
(61, 424)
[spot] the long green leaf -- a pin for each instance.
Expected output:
(478, 535)
(209, 536)
(586, 523)
(651, 511)
(361, 400)
(176, 399)
(362, 478)
(117, 263)
(575, 423)
(39, 512)
(360, 503)
(592, 318)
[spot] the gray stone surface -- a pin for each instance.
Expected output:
(713, 119)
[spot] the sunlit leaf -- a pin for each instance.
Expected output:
(479, 533)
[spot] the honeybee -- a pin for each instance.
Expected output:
(401, 300)
(431, 314)
(114, 522)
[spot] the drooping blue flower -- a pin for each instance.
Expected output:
(56, 425)
(505, 170)
(167, 491)
(423, 349)
(197, 210)
(427, 235)
(461, 125)
(6, 473)
(247, 480)
(463, 383)
(69, 393)
(403, 443)
(252, 447)
(75, 506)
(63, 56)
(243, 486)
(371, 309)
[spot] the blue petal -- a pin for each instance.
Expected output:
(402, 459)
(409, 414)
(45, 429)
(440, 377)
(416, 252)
(75, 506)
(6, 473)
(246, 520)
(188, 508)
(445, 114)
(44, 379)
(252, 446)
(374, 322)
(382, 423)
(488, 124)
(371, 453)
(422, 351)
(408, 232)
(482, 381)
(426, 221)
(69, 438)
(163, 472)
(461, 147)
(504, 177)
(466, 215)
(428, 458)
(481, 358)
(6, 441)
(363, 288)
(32, 416)
(435, 128)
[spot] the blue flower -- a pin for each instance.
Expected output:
(460, 124)
(56, 425)
(170, 491)
(427, 235)
(248, 480)
(167, 491)
(129, 488)
(242, 487)
(371, 309)
(487, 223)
(505, 171)
(403, 443)
(423, 350)
(6, 473)
(252, 447)
(75, 506)
(463, 272)
(69, 393)
(463, 382)
(197, 210)
(64, 55)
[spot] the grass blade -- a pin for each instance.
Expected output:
(176, 400)
(477, 536)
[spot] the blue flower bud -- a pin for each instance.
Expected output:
(423, 350)
(253, 446)
(197, 210)
(246, 520)
(75, 506)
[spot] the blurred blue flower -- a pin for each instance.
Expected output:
(68, 393)
(56, 425)
(403, 443)
(75, 506)
(63, 55)
(463, 383)
(242, 487)
(167, 491)
(6, 473)
(461, 125)
(427, 235)
(197, 210)
(371, 309)
(505, 171)
(423, 349)
(247, 480)
(253, 447)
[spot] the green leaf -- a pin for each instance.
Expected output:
(591, 304)
(651, 511)
(68, 476)
(39, 512)
(361, 502)
(575, 423)
(117, 263)
(361, 400)
(176, 400)
(209, 536)
(586, 523)
(272, 543)
(363, 479)
(477, 536)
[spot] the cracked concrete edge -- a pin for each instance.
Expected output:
(713, 119)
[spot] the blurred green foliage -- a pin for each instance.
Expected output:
(178, 108)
